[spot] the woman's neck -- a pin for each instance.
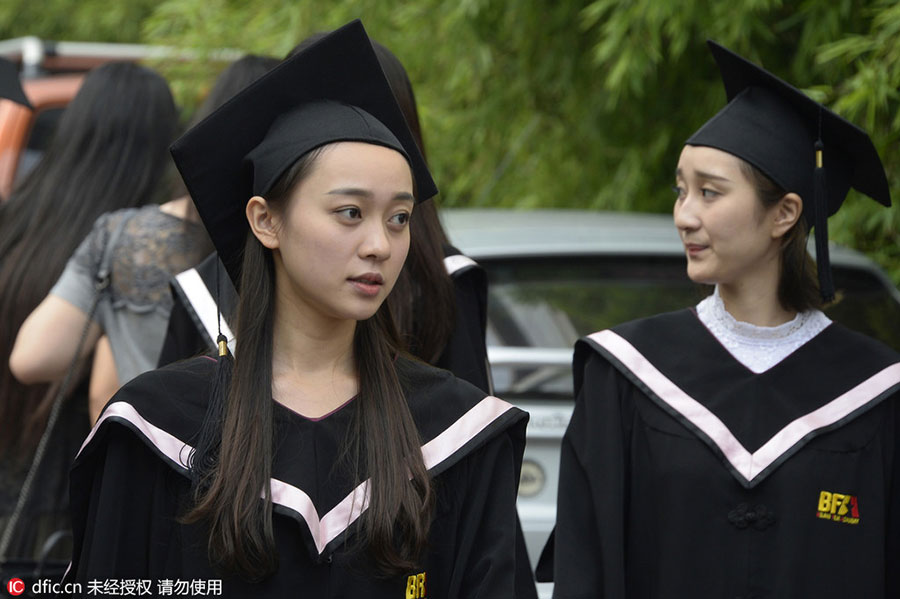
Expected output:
(313, 365)
(755, 301)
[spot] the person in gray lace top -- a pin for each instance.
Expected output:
(153, 245)
(145, 247)
(108, 151)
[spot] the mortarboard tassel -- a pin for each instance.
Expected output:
(820, 200)
(209, 437)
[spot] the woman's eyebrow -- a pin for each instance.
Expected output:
(679, 174)
(712, 177)
(365, 193)
(351, 191)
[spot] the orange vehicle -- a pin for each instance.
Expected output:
(24, 133)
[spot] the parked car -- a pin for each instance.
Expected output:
(557, 275)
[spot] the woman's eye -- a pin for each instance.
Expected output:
(351, 213)
(679, 191)
(400, 218)
(709, 193)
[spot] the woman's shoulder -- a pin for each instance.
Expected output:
(461, 267)
(173, 398)
(425, 384)
(670, 329)
(146, 221)
(453, 416)
(160, 409)
(844, 358)
(109, 221)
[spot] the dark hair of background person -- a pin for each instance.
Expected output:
(798, 285)
(233, 78)
(423, 300)
(233, 458)
(109, 151)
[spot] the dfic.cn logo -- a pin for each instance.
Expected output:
(15, 586)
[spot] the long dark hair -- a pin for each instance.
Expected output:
(798, 286)
(109, 151)
(232, 461)
(423, 302)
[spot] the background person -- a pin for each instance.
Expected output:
(154, 243)
(713, 452)
(108, 152)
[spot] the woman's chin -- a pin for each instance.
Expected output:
(364, 312)
(701, 277)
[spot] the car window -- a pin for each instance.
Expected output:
(539, 307)
(865, 305)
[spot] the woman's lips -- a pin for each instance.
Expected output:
(693, 249)
(368, 284)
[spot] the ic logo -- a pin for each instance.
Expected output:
(15, 586)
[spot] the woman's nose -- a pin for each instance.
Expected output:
(685, 214)
(376, 244)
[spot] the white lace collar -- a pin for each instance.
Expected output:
(759, 348)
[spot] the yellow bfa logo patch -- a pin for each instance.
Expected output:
(415, 586)
(838, 507)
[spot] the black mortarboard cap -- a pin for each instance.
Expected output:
(333, 91)
(795, 141)
(10, 86)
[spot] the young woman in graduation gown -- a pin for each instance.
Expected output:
(747, 447)
(325, 464)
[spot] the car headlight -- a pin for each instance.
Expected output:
(532, 479)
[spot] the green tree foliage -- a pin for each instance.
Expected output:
(75, 20)
(868, 95)
(560, 103)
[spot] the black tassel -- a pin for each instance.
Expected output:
(209, 438)
(820, 201)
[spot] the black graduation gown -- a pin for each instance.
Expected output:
(129, 486)
(466, 354)
(193, 323)
(193, 327)
(684, 474)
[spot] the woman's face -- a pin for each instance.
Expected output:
(344, 233)
(727, 233)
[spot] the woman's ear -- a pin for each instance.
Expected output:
(788, 211)
(263, 221)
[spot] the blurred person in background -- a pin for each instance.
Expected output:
(155, 243)
(440, 300)
(108, 152)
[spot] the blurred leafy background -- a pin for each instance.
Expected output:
(552, 103)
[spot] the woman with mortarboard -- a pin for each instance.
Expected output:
(325, 463)
(439, 302)
(747, 447)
